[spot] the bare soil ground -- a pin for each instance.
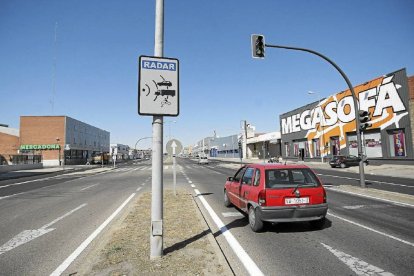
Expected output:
(189, 247)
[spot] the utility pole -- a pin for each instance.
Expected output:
(245, 140)
(156, 239)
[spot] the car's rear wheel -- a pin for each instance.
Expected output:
(343, 165)
(254, 220)
(227, 201)
(318, 224)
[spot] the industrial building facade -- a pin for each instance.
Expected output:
(61, 139)
(325, 128)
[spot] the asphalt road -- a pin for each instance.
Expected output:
(44, 220)
(361, 236)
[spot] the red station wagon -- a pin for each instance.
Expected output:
(277, 193)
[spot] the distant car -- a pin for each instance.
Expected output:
(277, 193)
(344, 161)
(203, 160)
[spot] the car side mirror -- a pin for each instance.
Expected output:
(230, 178)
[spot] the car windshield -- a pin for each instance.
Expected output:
(285, 178)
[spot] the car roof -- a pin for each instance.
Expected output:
(277, 166)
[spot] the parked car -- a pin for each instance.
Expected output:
(203, 160)
(277, 193)
(344, 161)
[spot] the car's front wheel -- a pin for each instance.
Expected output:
(227, 201)
(343, 165)
(254, 220)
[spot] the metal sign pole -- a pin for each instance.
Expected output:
(156, 239)
(174, 146)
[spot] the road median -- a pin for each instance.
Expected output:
(189, 247)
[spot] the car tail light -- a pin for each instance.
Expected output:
(324, 196)
(262, 198)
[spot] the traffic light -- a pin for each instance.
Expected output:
(258, 46)
(240, 144)
(363, 119)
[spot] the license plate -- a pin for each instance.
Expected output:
(296, 200)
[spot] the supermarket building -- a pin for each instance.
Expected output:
(327, 127)
(61, 139)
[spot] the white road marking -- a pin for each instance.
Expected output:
(371, 229)
(89, 187)
(192, 186)
(358, 266)
(7, 196)
(139, 188)
(189, 181)
(231, 214)
(245, 259)
(29, 235)
(354, 207)
(375, 181)
(61, 268)
(29, 181)
(371, 197)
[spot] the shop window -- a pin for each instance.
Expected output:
(287, 148)
(352, 145)
(296, 149)
(316, 147)
(397, 143)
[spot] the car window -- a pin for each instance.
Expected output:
(239, 174)
(256, 178)
(248, 176)
(276, 178)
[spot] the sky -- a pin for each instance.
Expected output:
(80, 59)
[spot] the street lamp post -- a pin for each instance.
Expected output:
(169, 127)
(321, 125)
(149, 137)
(355, 100)
(57, 142)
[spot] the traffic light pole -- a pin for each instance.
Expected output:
(356, 107)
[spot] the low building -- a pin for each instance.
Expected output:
(261, 146)
(61, 139)
(9, 144)
(264, 146)
(120, 151)
(325, 128)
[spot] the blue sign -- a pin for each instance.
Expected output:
(158, 65)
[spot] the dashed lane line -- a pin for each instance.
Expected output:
(371, 229)
(358, 266)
